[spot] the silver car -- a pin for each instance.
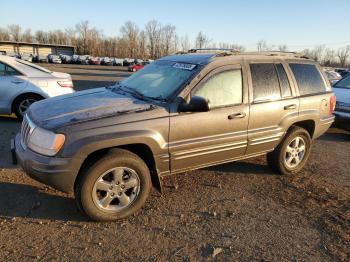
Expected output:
(23, 83)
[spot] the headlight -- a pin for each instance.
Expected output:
(45, 142)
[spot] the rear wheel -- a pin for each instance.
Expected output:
(115, 187)
(22, 103)
(291, 155)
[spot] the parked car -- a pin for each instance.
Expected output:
(137, 67)
(94, 61)
(342, 108)
(54, 59)
(75, 59)
(333, 76)
(117, 61)
(40, 59)
(23, 83)
(106, 61)
(27, 57)
(83, 59)
(128, 62)
(13, 54)
(182, 112)
(66, 59)
(342, 71)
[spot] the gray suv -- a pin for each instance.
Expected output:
(111, 145)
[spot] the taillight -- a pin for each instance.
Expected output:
(68, 84)
(332, 103)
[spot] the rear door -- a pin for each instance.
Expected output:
(204, 138)
(12, 82)
(274, 105)
(314, 94)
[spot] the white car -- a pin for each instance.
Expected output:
(342, 107)
(333, 76)
(23, 83)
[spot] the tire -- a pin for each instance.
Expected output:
(99, 192)
(288, 158)
(18, 108)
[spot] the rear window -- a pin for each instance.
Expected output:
(344, 83)
(308, 79)
(265, 82)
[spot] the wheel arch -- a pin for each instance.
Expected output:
(308, 125)
(141, 150)
(19, 96)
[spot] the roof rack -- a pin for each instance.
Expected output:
(227, 52)
(217, 51)
(277, 53)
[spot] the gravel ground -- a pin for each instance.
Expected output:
(240, 211)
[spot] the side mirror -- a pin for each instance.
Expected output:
(196, 104)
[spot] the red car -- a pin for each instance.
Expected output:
(136, 67)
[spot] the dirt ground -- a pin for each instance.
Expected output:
(240, 211)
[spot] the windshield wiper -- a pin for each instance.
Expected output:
(135, 93)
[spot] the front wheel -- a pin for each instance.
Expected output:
(291, 155)
(115, 187)
(21, 104)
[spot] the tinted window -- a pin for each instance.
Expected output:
(11, 72)
(284, 83)
(308, 78)
(2, 69)
(224, 88)
(265, 82)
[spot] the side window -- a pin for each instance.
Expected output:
(308, 78)
(11, 72)
(222, 89)
(2, 69)
(265, 81)
(284, 82)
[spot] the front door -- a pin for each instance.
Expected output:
(11, 83)
(205, 138)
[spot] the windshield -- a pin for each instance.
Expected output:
(344, 83)
(33, 66)
(160, 79)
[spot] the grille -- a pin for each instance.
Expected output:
(26, 130)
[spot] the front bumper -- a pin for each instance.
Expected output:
(60, 173)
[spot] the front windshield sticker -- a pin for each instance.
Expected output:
(183, 66)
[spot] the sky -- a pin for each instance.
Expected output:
(299, 24)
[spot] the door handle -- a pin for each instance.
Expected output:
(236, 115)
(17, 82)
(290, 107)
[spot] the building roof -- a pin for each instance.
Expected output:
(34, 44)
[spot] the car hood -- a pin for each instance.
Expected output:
(84, 106)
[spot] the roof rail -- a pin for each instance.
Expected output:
(199, 50)
(277, 53)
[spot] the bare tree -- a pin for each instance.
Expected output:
(329, 57)
(4, 34)
(41, 37)
(130, 33)
(153, 32)
(168, 37)
(343, 55)
(282, 48)
(202, 40)
(231, 46)
(262, 46)
(82, 29)
(185, 43)
(27, 36)
(15, 32)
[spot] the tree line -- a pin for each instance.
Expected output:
(152, 41)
